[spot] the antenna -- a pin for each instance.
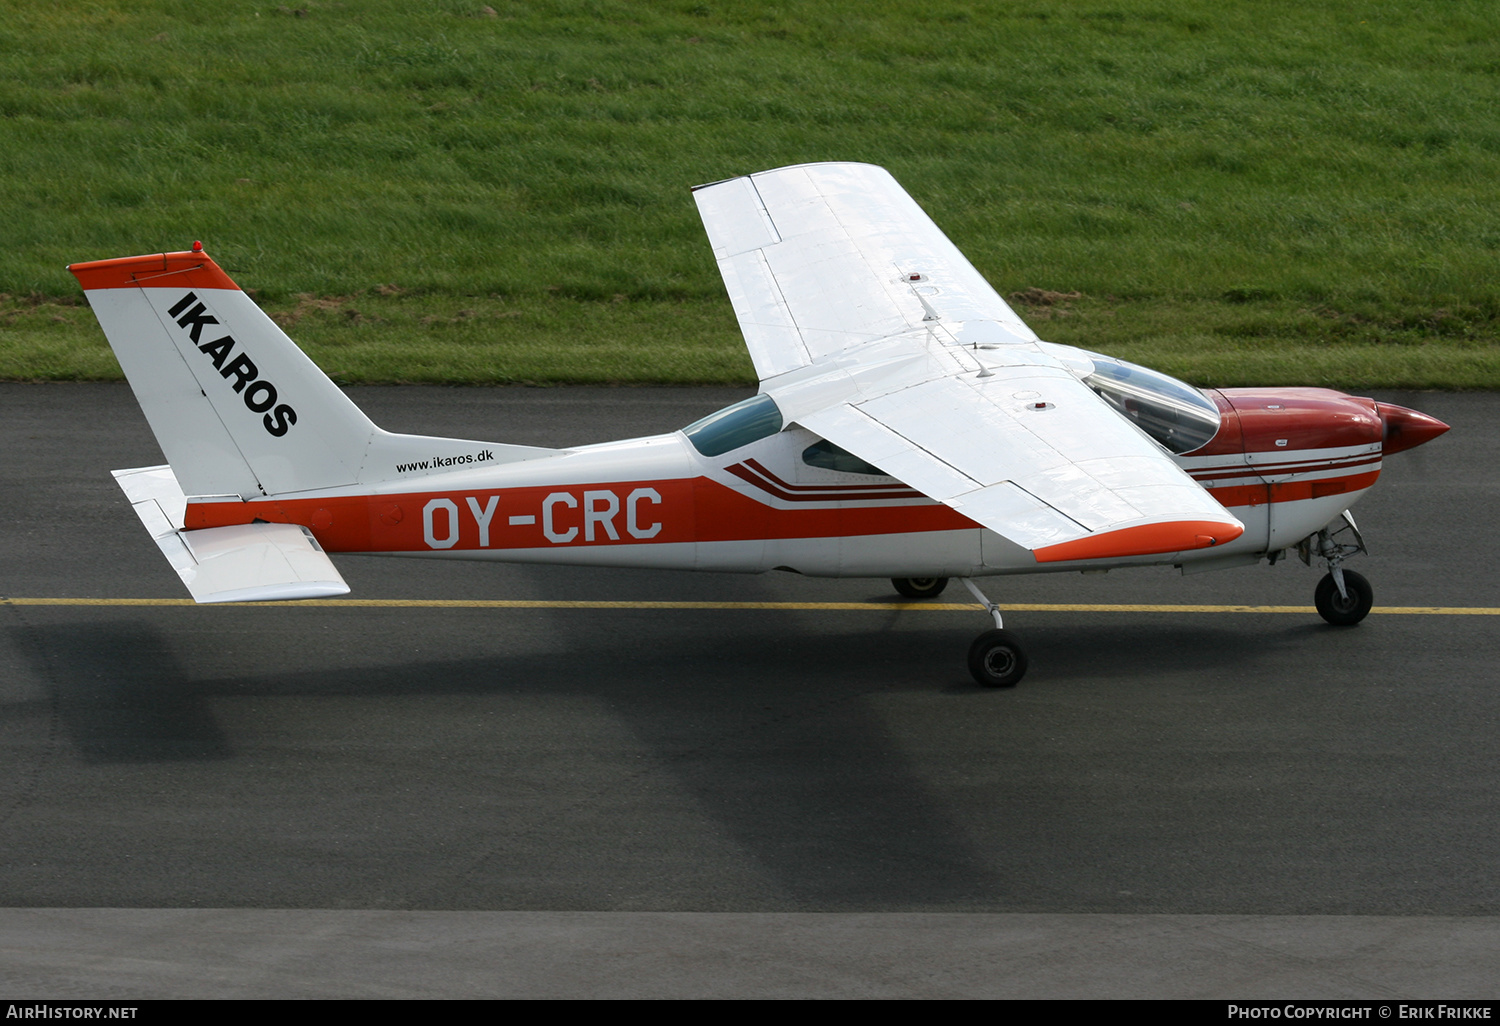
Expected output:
(917, 278)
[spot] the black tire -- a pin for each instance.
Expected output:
(920, 587)
(1339, 610)
(997, 660)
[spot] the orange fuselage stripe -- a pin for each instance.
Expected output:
(677, 510)
(638, 512)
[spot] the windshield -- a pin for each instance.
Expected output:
(1175, 414)
(734, 426)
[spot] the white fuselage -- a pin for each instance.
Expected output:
(656, 502)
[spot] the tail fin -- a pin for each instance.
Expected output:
(237, 408)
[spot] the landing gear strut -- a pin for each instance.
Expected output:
(996, 658)
(1342, 597)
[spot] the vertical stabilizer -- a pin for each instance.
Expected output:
(237, 408)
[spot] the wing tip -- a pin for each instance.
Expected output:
(795, 167)
(1144, 540)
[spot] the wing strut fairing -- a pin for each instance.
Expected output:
(868, 327)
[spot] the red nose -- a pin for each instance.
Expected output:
(1406, 429)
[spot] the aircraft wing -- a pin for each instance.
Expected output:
(869, 328)
(818, 257)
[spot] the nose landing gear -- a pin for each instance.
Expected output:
(1343, 597)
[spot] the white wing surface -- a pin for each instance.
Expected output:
(870, 328)
(818, 257)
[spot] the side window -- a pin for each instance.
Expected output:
(734, 426)
(830, 457)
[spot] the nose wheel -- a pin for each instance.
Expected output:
(1343, 603)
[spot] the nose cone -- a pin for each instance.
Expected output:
(1406, 429)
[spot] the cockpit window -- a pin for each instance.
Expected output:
(734, 426)
(1175, 414)
(830, 457)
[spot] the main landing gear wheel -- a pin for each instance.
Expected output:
(1344, 610)
(997, 660)
(920, 587)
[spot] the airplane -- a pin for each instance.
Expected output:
(908, 425)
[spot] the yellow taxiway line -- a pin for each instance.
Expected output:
(859, 607)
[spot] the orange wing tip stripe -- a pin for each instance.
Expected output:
(189, 269)
(1146, 540)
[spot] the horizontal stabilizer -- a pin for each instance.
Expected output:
(243, 563)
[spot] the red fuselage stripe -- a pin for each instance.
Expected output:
(1278, 469)
(753, 473)
(1291, 491)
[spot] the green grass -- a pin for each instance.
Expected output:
(1251, 193)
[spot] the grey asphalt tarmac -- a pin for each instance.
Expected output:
(287, 801)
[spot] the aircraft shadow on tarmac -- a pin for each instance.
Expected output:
(771, 732)
(120, 694)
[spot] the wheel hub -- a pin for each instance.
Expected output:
(1000, 661)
